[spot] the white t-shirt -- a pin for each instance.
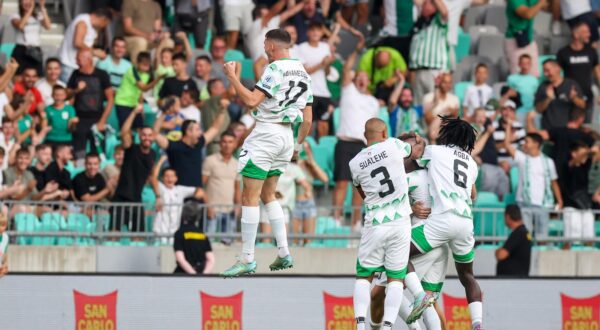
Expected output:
(418, 191)
(46, 90)
(172, 200)
(287, 185)
(294, 52)
(255, 38)
(379, 171)
(311, 56)
(573, 8)
(191, 112)
(3, 102)
(67, 50)
(477, 97)
(455, 10)
(452, 174)
(355, 109)
(534, 171)
(30, 35)
(235, 2)
(450, 102)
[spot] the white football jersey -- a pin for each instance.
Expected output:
(418, 191)
(452, 174)
(288, 91)
(379, 171)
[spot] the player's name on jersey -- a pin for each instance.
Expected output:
(297, 73)
(461, 154)
(373, 159)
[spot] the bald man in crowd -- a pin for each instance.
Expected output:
(382, 70)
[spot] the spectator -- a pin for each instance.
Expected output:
(193, 16)
(8, 141)
(508, 113)
(92, 96)
(478, 94)
(80, 35)
(90, 186)
(29, 22)
(51, 79)
(222, 182)
(305, 210)
(537, 182)
(171, 124)
(112, 171)
(519, 32)
(514, 257)
(10, 113)
(163, 65)
(578, 216)
(27, 124)
(61, 117)
(382, 64)
(440, 102)
(524, 83)
(316, 57)
(202, 70)
(167, 219)
(6, 77)
(27, 86)
(494, 178)
(398, 25)
(303, 19)
(182, 81)
(357, 106)
(580, 62)
(404, 117)
(237, 16)
(218, 47)
(8, 190)
(3, 245)
(575, 13)
(142, 24)
(43, 158)
(186, 155)
(428, 48)
(137, 163)
(189, 110)
(193, 252)
(19, 174)
(115, 64)
(291, 29)
(557, 96)
(456, 8)
(57, 173)
(358, 8)
(136, 81)
(211, 108)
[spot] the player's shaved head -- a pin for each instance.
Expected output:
(375, 130)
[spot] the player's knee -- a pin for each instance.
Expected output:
(249, 199)
(267, 197)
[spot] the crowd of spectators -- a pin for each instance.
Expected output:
(179, 125)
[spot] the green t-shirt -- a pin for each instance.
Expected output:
(168, 71)
(128, 94)
(58, 119)
(367, 65)
(25, 125)
(515, 22)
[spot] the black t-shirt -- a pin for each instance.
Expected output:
(563, 137)
(576, 187)
(135, 171)
(62, 177)
(194, 244)
(579, 66)
(82, 184)
(174, 86)
(557, 113)
(187, 162)
(40, 177)
(89, 102)
(518, 246)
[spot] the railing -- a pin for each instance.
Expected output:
(81, 223)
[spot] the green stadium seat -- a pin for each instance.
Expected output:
(311, 141)
(234, 55)
(464, 45)
(25, 222)
(556, 228)
(82, 225)
(328, 143)
(321, 157)
(510, 199)
(337, 243)
(385, 116)
(113, 120)
(148, 197)
(49, 222)
(73, 170)
(208, 40)
(68, 226)
(323, 224)
(460, 88)
(111, 243)
(138, 243)
(247, 69)
(489, 223)
(336, 119)
(487, 246)
(514, 179)
(7, 48)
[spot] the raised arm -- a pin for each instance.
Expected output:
(510, 149)
(9, 73)
(126, 138)
(156, 170)
(482, 140)
(531, 128)
(349, 65)
(291, 11)
(160, 139)
(186, 45)
(393, 99)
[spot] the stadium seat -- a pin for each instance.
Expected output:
(7, 48)
(477, 31)
(82, 225)
(328, 143)
(208, 40)
(347, 43)
(336, 119)
(67, 225)
(323, 224)
(9, 33)
(460, 88)
(497, 87)
(491, 46)
(474, 15)
(311, 141)
(558, 42)
(320, 153)
(487, 246)
(247, 69)
(463, 47)
(509, 198)
(337, 243)
(542, 24)
(234, 55)
(111, 142)
(148, 197)
(49, 222)
(489, 223)
(555, 228)
(543, 43)
(385, 116)
(25, 222)
(495, 15)
(465, 69)
(514, 179)
(73, 170)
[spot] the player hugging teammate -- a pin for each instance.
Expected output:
(438, 191)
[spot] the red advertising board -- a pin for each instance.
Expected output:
(580, 313)
(339, 312)
(95, 312)
(221, 313)
(456, 310)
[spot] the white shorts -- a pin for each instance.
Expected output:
(266, 151)
(446, 228)
(431, 269)
(237, 18)
(384, 248)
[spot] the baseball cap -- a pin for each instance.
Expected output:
(510, 104)
(492, 105)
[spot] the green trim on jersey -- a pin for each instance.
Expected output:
(418, 237)
(253, 171)
(274, 173)
(397, 274)
(433, 287)
(366, 271)
(465, 258)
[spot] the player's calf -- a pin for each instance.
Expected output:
(473, 292)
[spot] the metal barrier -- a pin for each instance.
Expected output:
(81, 223)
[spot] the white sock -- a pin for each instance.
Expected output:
(362, 298)
(405, 312)
(277, 220)
(413, 284)
(476, 310)
(432, 319)
(393, 301)
(250, 219)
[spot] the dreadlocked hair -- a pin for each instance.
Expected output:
(457, 132)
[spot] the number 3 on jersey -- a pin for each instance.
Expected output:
(385, 181)
(303, 87)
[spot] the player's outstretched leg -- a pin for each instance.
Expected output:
(473, 292)
(422, 299)
(277, 220)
